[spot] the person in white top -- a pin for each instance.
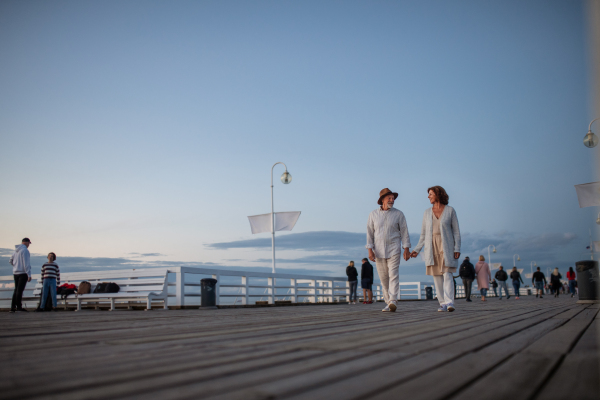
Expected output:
(440, 241)
(20, 260)
(386, 235)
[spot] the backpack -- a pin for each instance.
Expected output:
(105, 287)
(84, 287)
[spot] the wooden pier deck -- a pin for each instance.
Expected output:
(516, 349)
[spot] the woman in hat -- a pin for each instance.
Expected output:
(440, 237)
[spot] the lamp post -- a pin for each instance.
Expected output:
(489, 255)
(532, 264)
(286, 178)
(518, 259)
(590, 139)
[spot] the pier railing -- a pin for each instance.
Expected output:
(246, 288)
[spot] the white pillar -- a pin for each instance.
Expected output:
(180, 288)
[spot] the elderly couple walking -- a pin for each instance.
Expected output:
(387, 234)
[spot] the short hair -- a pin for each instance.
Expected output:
(481, 258)
(364, 259)
(501, 266)
(351, 263)
(440, 194)
(538, 268)
(53, 256)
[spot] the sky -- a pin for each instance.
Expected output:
(143, 132)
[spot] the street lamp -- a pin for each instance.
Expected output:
(489, 256)
(590, 139)
(532, 264)
(518, 259)
(286, 178)
(598, 219)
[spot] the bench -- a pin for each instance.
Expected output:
(149, 284)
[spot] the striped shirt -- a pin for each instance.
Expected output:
(51, 271)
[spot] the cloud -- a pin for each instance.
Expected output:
(308, 241)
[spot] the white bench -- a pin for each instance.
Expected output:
(148, 284)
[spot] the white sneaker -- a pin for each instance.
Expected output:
(442, 309)
(392, 307)
(450, 307)
(386, 309)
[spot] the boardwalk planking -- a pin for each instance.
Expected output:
(336, 351)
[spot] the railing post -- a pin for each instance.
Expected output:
(217, 288)
(314, 284)
(180, 288)
(271, 289)
(293, 282)
(246, 284)
(420, 294)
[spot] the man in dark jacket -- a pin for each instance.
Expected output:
(516, 281)
(501, 276)
(538, 280)
(366, 281)
(467, 274)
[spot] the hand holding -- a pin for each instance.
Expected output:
(414, 254)
(29, 279)
(406, 254)
(456, 255)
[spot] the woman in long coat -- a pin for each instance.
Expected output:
(484, 275)
(440, 239)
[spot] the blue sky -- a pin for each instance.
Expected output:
(151, 127)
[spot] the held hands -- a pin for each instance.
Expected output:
(456, 255)
(414, 254)
(407, 254)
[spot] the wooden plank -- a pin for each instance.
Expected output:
(578, 376)
(528, 369)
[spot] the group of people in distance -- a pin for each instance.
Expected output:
(481, 270)
(21, 263)
(366, 281)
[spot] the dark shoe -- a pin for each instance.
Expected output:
(11, 311)
(507, 297)
(541, 297)
(469, 300)
(39, 310)
(537, 295)
(22, 310)
(54, 309)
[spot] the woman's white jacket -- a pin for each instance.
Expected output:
(450, 237)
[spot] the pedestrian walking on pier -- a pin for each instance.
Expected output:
(467, 274)
(366, 281)
(572, 281)
(21, 262)
(50, 280)
(495, 287)
(440, 239)
(484, 276)
(387, 233)
(538, 280)
(516, 281)
(502, 277)
(352, 280)
(555, 278)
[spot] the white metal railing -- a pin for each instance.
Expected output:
(244, 287)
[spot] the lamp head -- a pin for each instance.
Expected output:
(518, 258)
(590, 140)
(286, 177)
(598, 220)
(494, 250)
